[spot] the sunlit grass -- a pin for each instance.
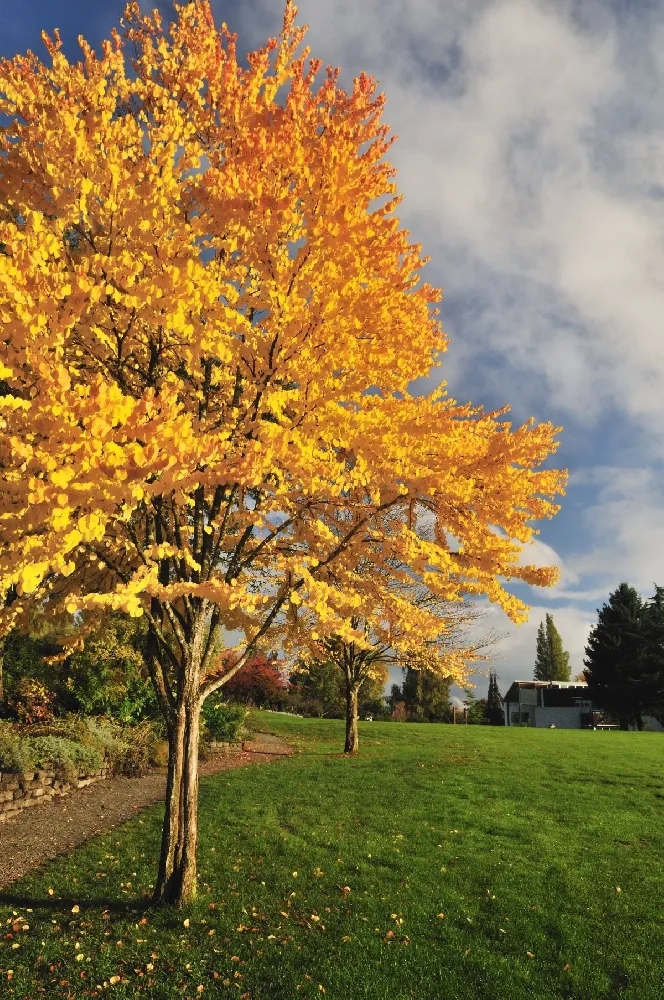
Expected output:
(459, 862)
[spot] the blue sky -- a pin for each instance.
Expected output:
(531, 158)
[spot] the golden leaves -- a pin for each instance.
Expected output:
(197, 295)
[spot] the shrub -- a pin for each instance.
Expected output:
(222, 722)
(32, 701)
(260, 682)
(66, 756)
(136, 749)
(159, 753)
(15, 753)
(130, 750)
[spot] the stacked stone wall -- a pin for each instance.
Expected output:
(22, 791)
(224, 748)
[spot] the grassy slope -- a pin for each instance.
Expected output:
(328, 872)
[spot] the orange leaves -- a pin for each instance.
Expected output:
(197, 295)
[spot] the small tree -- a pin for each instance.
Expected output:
(552, 662)
(475, 709)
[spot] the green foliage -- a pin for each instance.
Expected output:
(475, 710)
(15, 752)
(130, 750)
(66, 756)
(551, 662)
(624, 663)
(426, 695)
(109, 677)
(317, 688)
(223, 723)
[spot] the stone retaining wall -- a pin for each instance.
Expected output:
(225, 748)
(21, 791)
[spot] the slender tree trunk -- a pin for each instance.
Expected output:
(352, 738)
(2, 679)
(176, 880)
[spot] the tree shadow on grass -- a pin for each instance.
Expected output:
(53, 904)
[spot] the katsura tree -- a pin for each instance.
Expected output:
(408, 627)
(210, 319)
(551, 661)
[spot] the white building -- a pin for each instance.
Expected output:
(565, 704)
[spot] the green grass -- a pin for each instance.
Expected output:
(542, 848)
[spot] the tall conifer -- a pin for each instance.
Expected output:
(551, 662)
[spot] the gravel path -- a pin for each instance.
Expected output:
(36, 835)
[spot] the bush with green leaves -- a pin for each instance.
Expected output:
(128, 750)
(222, 723)
(16, 755)
(66, 757)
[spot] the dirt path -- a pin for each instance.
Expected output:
(36, 835)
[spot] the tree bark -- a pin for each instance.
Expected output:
(176, 880)
(352, 737)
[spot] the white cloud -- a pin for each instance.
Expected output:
(625, 528)
(514, 657)
(538, 553)
(530, 148)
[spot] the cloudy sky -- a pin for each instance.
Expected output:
(531, 157)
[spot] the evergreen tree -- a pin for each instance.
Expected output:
(551, 662)
(494, 703)
(651, 674)
(617, 652)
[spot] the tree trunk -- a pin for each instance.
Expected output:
(352, 738)
(176, 881)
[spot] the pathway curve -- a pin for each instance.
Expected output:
(36, 835)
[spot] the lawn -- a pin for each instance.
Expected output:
(443, 862)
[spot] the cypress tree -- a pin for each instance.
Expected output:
(494, 702)
(551, 661)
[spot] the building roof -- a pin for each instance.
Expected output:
(561, 693)
(549, 684)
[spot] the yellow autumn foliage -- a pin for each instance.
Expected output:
(211, 316)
